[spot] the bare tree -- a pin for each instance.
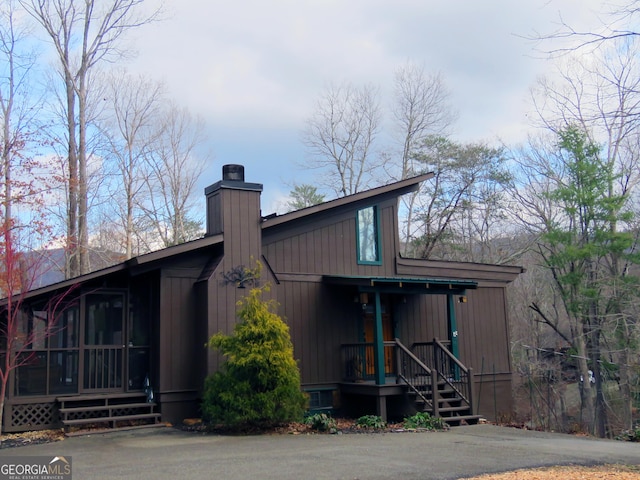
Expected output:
(421, 108)
(17, 112)
(84, 34)
(340, 136)
(617, 25)
(174, 167)
(135, 105)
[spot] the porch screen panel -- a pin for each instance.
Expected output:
(103, 351)
(104, 319)
(50, 363)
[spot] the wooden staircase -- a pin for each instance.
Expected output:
(430, 365)
(111, 410)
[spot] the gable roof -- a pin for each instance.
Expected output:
(393, 189)
(127, 265)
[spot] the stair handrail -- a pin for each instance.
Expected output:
(401, 348)
(468, 373)
(451, 356)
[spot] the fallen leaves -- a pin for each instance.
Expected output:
(618, 472)
(31, 438)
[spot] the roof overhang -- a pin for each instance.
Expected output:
(396, 189)
(413, 285)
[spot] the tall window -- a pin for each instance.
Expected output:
(368, 236)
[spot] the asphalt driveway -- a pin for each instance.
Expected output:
(167, 453)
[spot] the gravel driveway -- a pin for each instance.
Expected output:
(167, 453)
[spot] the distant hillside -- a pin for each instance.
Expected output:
(50, 264)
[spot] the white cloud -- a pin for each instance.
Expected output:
(253, 69)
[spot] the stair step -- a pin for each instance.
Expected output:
(106, 407)
(117, 418)
(460, 419)
(100, 396)
(459, 408)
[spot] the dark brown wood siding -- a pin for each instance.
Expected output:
(179, 344)
(240, 223)
(422, 318)
(328, 245)
(178, 328)
(483, 332)
(214, 214)
(320, 319)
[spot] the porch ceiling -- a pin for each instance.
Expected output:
(402, 284)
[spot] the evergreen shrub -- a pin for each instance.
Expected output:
(259, 383)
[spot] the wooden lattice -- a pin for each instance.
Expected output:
(33, 416)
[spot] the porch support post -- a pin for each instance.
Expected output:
(381, 407)
(453, 325)
(378, 347)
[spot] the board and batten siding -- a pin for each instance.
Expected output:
(179, 378)
(319, 322)
(176, 336)
(422, 318)
(483, 331)
(328, 246)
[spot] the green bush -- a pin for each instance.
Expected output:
(632, 435)
(321, 422)
(259, 383)
(373, 422)
(425, 421)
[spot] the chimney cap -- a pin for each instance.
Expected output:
(232, 178)
(233, 173)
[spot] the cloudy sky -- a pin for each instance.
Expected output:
(253, 69)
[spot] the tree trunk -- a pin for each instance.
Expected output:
(626, 409)
(83, 231)
(588, 416)
(600, 404)
(72, 265)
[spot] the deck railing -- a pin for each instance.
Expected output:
(426, 353)
(357, 361)
(425, 368)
